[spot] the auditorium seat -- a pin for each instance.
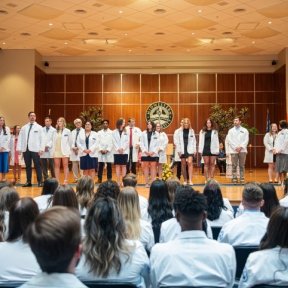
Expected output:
(11, 284)
(98, 284)
(189, 286)
(242, 253)
(215, 231)
(267, 286)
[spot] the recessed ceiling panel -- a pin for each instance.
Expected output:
(40, 12)
(122, 24)
(247, 25)
(261, 33)
(197, 23)
(202, 2)
(58, 34)
(129, 43)
(275, 11)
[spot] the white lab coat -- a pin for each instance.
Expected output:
(43, 202)
(245, 230)
(105, 143)
(5, 139)
(134, 271)
(143, 202)
(163, 147)
(92, 144)
(191, 147)
(214, 146)
(225, 216)
(192, 260)
(284, 201)
(73, 156)
(35, 138)
(238, 138)
(154, 143)
(281, 143)
(147, 235)
(266, 267)
(268, 143)
(120, 142)
(136, 138)
(65, 142)
(175, 140)
(47, 141)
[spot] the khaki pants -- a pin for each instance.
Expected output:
(238, 159)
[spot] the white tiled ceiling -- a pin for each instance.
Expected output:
(145, 27)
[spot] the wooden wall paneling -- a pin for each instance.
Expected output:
(149, 98)
(264, 82)
(261, 116)
(74, 98)
(74, 82)
(226, 82)
(259, 139)
(131, 98)
(131, 83)
(168, 82)
(93, 83)
(206, 82)
(187, 82)
(112, 83)
(259, 155)
(150, 83)
(207, 98)
(251, 113)
(112, 113)
(188, 97)
(39, 89)
(54, 83)
(188, 111)
(56, 111)
(54, 98)
(112, 98)
(226, 97)
(244, 97)
(169, 97)
(93, 99)
(131, 111)
(265, 97)
(245, 82)
(203, 114)
(72, 112)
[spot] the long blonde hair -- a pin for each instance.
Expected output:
(128, 202)
(64, 123)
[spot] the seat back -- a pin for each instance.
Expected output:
(97, 284)
(267, 286)
(11, 284)
(215, 231)
(242, 253)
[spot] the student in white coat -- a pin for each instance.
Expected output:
(238, 138)
(270, 158)
(192, 249)
(284, 201)
(30, 143)
(162, 148)
(46, 157)
(74, 155)
(105, 151)
(87, 143)
(209, 147)
(5, 137)
(61, 148)
(269, 265)
(150, 143)
(177, 159)
(186, 149)
(121, 149)
(134, 136)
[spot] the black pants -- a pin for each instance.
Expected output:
(221, 165)
(47, 163)
(28, 157)
(100, 170)
(131, 166)
(178, 170)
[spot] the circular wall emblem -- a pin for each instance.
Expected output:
(160, 112)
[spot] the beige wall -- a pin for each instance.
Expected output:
(16, 85)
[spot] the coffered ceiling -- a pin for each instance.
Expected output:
(145, 27)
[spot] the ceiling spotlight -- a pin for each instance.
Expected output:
(4, 43)
(80, 11)
(253, 42)
(159, 11)
(126, 34)
(65, 43)
(270, 22)
(199, 11)
(4, 12)
(50, 24)
(129, 50)
(120, 12)
(239, 10)
(193, 33)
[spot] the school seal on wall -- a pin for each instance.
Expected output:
(160, 112)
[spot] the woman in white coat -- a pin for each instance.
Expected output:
(270, 157)
(150, 143)
(121, 149)
(4, 149)
(162, 148)
(61, 148)
(186, 149)
(209, 147)
(87, 143)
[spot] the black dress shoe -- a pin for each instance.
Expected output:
(28, 184)
(40, 184)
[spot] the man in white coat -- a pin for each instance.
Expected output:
(192, 259)
(30, 143)
(46, 158)
(105, 151)
(238, 138)
(134, 136)
(74, 155)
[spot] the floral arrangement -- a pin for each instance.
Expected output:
(166, 172)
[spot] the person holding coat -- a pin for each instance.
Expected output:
(209, 147)
(4, 148)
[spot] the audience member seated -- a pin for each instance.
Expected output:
(159, 206)
(65, 196)
(84, 193)
(107, 255)
(131, 180)
(284, 201)
(270, 264)
(172, 184)
(44, 201)
(192, 259)
(55, 240)
(270, 198)
(17, 260)
(217, 213)
(8, 197)
(136, 228)
(249, 228)
(108, 188)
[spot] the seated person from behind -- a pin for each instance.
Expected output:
(249, 228)
(55, 240)
(192, 259)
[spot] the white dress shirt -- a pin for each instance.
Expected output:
(238, 137)
(47, 141)
(135, 270)
(105, 141)
(5, 139)
(192, 260)
(267, 266)
(73, 141)
(214, 145)
(225, 216)
(18, 263)
(245, 230)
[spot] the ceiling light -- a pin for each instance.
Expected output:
(159, 11)
(126, 34)
(101, 50)
(253, 42)
(158, 49)
(217, 49)
(199, 11)
(270, 22)
(4, 12)
(239, 10)
(188, 50)
(80, 11)
(65, 43)
(173, 46)
(227, 33)
(50, 24)
(4, 43)
(93, 33)
(25, 34)
(100, 41)
(129, 50)
(193, 33)
(120, 12)
(159, 33)
(107, 29)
